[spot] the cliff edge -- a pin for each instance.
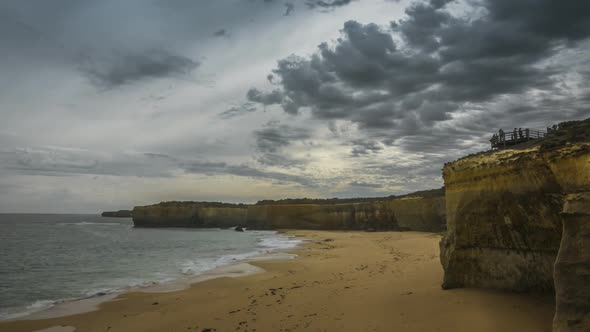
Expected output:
(518, 219)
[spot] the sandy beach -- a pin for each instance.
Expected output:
(341, 281)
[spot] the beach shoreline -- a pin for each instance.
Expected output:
(341, 281)
(239, 267)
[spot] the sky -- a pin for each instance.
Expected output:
(109, 104)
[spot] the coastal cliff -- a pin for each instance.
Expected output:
(117, 214)
(189, 214)
(417, 212)
(414, 213)
(371, 215)
(518, 219)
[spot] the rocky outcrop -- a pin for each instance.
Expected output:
(117, 214)
(519, 220)
(188, 214)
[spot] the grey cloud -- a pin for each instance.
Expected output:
(273, 139)
(238, 110)
(210, 168)
(60, 161)
(270, 98)
(365, 185)
(406, 93)
(289, 8)
(365, 147)
(220, 33)
(120, 68)
(57, 161)
(327, 4)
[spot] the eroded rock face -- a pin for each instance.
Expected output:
(408, 213)
(373, 215)
(503, 222)
(572, 268)
(506, 213)
(188, 215)
(424, 214)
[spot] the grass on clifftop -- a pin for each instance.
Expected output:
(568, 132)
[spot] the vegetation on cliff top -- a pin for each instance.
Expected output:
(198, 204)
(440, 192)
(569, 132)
(324, 201)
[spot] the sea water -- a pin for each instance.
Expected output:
(49, 259)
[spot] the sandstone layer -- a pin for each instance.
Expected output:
(519, 219)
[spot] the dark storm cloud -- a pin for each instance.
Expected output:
(274, 137)
(119, 69)
(271, 141)
(446, 64)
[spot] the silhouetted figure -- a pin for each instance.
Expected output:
(520, 135)
(514, 134)
(502, 135)
(527, 133)
(494, 140)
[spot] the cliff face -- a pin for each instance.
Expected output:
(373, 215)
(409, 213)
(117, 214)
(509, 213)
(188, 215)
(426, 214)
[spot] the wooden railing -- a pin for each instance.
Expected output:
(510, 138)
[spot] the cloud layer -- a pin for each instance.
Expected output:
(110, 104)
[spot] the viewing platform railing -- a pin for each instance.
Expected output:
(510, 138)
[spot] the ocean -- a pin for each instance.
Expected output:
(51, 259)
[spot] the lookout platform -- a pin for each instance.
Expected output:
(505, 139)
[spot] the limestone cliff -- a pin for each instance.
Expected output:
(510, 212)
(371, 215)
(425, 214)
(407, 213)
(188, 214)
(117, 214)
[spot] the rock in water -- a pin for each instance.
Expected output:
(239, 229)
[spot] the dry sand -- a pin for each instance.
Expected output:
(342, 281)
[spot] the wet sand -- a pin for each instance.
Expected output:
(342, 281)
